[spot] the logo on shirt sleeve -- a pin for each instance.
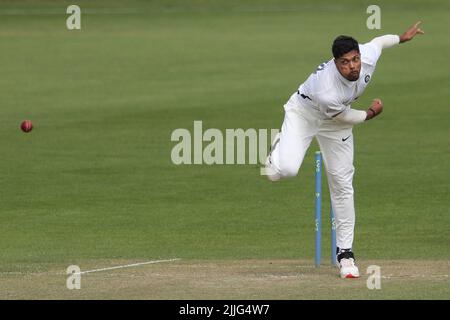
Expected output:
(367, 78)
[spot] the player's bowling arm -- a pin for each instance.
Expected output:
(351, 116)
(375, 109)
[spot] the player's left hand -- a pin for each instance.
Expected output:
(411, 32)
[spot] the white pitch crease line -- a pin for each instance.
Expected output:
(59, 11)
(416, 276)
(127, 266)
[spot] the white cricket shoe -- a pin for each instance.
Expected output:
(347, 266)
(270, 171)
(348, 269)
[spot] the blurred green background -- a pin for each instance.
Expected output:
(94, 179)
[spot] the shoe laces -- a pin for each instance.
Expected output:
(347, 262)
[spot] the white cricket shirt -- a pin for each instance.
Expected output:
(327, 90)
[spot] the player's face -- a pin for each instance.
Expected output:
(349, 65)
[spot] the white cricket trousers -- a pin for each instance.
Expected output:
(301, 124)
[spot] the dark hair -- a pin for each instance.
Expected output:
(343, 45)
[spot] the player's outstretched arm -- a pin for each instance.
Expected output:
(411, 32)
(391, 40)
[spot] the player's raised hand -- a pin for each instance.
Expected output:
(411, 32)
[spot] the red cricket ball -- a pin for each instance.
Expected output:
(26, 126)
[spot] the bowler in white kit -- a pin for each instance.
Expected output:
(321, 108)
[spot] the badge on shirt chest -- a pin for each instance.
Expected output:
(367, 78)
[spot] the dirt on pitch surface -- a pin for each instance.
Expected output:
(243, 279)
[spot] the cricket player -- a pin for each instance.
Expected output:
(321, 108)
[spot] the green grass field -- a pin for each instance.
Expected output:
(94, 182)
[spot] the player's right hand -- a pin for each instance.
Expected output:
(377, 106)
(375, 109)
